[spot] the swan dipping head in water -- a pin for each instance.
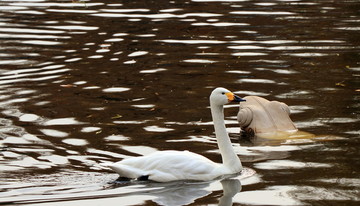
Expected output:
(165, 166)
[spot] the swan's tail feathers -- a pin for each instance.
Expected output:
(127, 171)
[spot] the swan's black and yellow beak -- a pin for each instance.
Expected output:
(234, 98)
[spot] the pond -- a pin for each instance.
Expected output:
(90, 82)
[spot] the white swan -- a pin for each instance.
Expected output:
(165, 166)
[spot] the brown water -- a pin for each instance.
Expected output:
(87, 82)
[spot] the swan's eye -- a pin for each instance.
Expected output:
(222, 93)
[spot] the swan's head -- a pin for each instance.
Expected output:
(221, 96)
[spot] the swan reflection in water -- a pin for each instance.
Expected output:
(184, 193)
(230, 188)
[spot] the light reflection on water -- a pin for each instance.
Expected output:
(84, 83)
(173, 193)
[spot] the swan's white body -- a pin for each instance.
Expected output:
(165, 166)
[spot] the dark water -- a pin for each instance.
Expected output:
(86, 82)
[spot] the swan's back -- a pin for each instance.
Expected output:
(164, 166)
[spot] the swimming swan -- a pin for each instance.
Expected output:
(166, 166)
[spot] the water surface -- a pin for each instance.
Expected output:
(88, 82)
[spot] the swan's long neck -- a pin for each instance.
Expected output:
(229, 157)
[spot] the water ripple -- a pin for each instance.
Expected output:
(155, 16)
(84, 83)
